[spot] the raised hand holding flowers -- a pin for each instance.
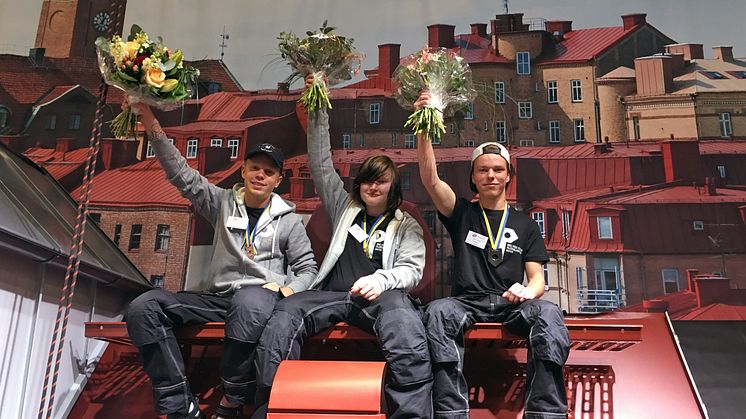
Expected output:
(328, 57)
(147, 71)
(445, 76)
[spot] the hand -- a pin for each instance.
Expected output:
(423, 101)
(367, 287)
(272, 286)
(286, 291)
(139, 108)
(517, 293)
(309, 81)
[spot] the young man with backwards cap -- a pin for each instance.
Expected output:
(258, 238)
(494, 246)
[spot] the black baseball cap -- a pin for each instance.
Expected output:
(269, 150)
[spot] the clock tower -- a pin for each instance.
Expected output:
(69, 28)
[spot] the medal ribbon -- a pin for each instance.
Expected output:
(495, 243)
(250, 237)
(376, 223)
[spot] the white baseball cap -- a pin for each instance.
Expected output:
(489, 148)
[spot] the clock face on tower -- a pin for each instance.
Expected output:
(101, 21)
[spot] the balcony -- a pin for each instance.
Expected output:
(596, 301)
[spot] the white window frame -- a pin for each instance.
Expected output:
(525, 110)
(74, 123)
(552, 92)
(409, 141)
(374, 114)
(469, 111)
(527, 143)
(192, 146)
(361, 142)
(393, 138)
(436, 141)
(578, 130)
(346, 141)
(4, 116)
(162, 238)
(216, 142)
(666, 277)
(468, 143)
(538, 216)
(576, 89)
(566, 225)
(406, 181)
(52, 122)
(233, 144)
(636, 127)
(726, 124)
(603, 222)
(545, 271)
(698, 225)
(721, 171)
(501, 132)
(499, 92)
(523, 63)
(554, 131)
(149, 152)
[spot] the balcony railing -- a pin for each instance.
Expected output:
(595, 301)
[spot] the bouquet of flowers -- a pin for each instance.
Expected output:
(323, 54)
(147, 71)
(448, 79)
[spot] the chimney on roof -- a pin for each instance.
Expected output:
(654, 74)
(690, 275)
(479, 29)
(283, 88)
(710, 186)
(655, 306)
(681, 161)
(710, 289)
(63, 145)
(441, 36)
(633, 19)
(212, 159)
(36, 56)
(689, 51)
(723, 53)
(558, 27)
(677, 64)
(388, 59)
(601, 148)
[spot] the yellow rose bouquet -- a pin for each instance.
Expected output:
(147, 71)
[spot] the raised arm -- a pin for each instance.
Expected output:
(442, 195)
(190, 183)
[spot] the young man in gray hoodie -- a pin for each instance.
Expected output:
(258, 238)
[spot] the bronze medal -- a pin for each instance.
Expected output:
(494, 257)
(251, 251)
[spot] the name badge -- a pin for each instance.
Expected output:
(239, 223)
(477, 240)
(358, 233)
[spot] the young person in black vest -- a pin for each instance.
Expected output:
(376, 255)
(494, 246)
(258, 241)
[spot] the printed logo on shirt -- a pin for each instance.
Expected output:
(511, 248)
(509, 235)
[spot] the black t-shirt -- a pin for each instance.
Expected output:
(254, 215)
(473, 274)
(353, 263)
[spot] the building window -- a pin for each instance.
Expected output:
(636, 127)
(501, 134)
(578, 126)
(565, 224)
(469, 143)
(429, 216)
(216, 142)
(452, 128)
(579, 277)
(523, 63)
(362, 140)
(577, 90)
(436, 141)
(156, 281)
(726, 129)
(162, 236)
(525, 110)
(698, 225)
(721, 171)
(95, 217)
(117, 234)
(393, 139)
(135, 235)
(409, 140)
(74, 122)
(604, 228)
(552, 91)
(469, 111)
(499, 92)
(670, 280)
(4, 117)
(545, 271)
(191, 148)
(233, 147)
(51, 122)
(538, 216)
(554, 131)
(527, 143)
(406, 181)
(374, 116)
(346, 141)
(149, 152)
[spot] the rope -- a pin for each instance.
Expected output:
(76, 249)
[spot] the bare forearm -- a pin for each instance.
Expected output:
(442, 195)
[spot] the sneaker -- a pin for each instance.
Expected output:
(193, 413)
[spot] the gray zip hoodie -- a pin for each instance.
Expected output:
(404, 246)
(281, 239)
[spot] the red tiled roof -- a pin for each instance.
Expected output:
(55, 94)
(585, 44)
(145, 184)
(216, 127)
(722, 147)
(58, 164)
(680, 195)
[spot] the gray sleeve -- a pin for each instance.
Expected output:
(409, 263)
(299, 256)
(326, 180)
(191, 184)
